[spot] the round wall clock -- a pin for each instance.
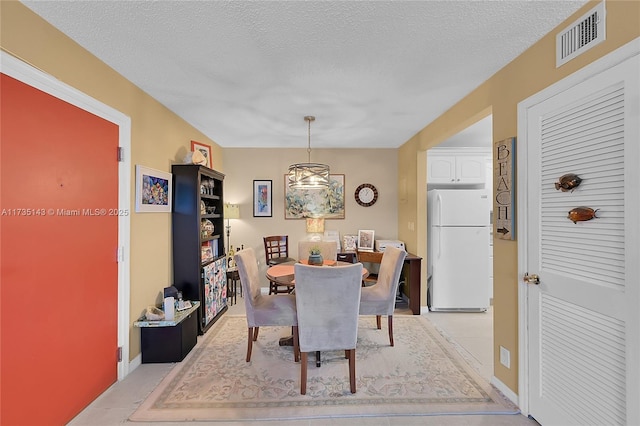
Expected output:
(366, 195)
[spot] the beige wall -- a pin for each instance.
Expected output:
(375, 166)
(158, 138)
(528, 74)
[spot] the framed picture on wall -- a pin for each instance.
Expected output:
(262, 198)
(365, 240)
(153, 190)
(327, 203)
(205, 150)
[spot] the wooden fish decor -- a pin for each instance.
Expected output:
(580, 214)
(568, 182)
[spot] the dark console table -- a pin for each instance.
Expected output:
(169, 340)
(411, 273)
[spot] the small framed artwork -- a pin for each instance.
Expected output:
(262, 198)
(207, 252)
(205, 150)
(153, 190)
(350, 242)
(365, 240)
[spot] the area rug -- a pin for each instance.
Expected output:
(421, 375)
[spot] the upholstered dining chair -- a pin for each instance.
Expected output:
(380, 298)
(276, 250)
(263, 310)
(327, 301)
(328, 249)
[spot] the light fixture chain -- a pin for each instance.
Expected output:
(309, 119)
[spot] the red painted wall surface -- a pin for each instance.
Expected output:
(59, 295)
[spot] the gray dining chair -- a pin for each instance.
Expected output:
(327, 300)
(380, 298)
(263, 310)
(328, 249)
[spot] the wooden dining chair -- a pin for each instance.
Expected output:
(327, 300)
(276, 250)
(380, 298)
(263, 310)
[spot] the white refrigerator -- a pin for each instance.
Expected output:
(458, 250)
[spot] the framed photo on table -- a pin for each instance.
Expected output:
(262, 198)
(365, 240)
(153, 190)
(205, 150)
(350, 242)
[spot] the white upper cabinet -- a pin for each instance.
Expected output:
(453, 168)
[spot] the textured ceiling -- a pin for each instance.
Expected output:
(245, 73)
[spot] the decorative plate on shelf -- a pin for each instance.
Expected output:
(203, 208)
(207, 228)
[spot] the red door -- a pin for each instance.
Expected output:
(59, 291)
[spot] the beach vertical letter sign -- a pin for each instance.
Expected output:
(503, 175)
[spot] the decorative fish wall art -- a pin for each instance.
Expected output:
(580, 214)
(568, 182)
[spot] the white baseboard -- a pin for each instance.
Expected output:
(513, 397)
(135, 363)
(424, 310)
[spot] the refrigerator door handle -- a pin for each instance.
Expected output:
(439, 209)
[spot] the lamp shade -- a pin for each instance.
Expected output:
(231, 211)
(315, 224)
(308, 175)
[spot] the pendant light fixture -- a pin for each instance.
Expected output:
(308, 175)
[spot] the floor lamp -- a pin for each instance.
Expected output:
(231, 211)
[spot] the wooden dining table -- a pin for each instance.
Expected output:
(284, 275)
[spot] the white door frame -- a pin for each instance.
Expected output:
(614, 58)
(31, 76)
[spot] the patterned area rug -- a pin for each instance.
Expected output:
(421, 375)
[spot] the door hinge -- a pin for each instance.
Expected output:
(119, 353)
(120, 154)
(120, 254)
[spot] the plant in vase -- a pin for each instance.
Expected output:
(315, 256)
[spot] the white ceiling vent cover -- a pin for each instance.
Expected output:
(581, 36)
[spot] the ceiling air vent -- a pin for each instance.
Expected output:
(581, 36)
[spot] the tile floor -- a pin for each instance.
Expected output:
(472, 332)
(473, 335)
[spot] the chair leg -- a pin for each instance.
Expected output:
(352, 370)
(255, 333)
(378, 321)
(303, 373)
(249, 343)
(296, 344)
(390, 323)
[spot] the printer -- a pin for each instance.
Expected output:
(383, 244)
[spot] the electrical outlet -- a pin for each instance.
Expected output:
(505, 357)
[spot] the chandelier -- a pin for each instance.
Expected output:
(308, 175)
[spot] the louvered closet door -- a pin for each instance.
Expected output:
(583, 317)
